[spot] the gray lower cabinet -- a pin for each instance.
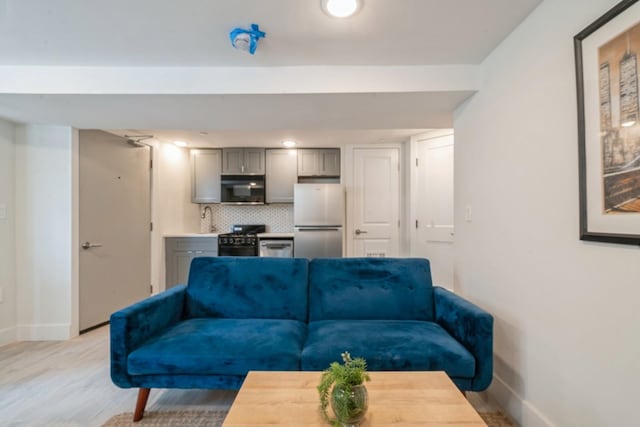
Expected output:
(205, 175)
(180, 251)
(319, 162)
(281, 176)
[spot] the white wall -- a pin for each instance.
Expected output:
(43, 231)
(7, 233)
(172, 210)
(567, 324)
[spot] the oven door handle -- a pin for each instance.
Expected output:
(277, 246)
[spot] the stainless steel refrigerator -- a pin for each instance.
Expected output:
(318, 217)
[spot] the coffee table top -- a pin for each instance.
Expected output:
(408, 399)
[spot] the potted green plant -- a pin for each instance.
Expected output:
(343, 386)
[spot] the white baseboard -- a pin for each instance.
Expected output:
(521, 410)
(8, 335)
(49, 332)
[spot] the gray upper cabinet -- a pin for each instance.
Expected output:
(243, 161)
(319, 162)
(232, 161)
(282, 174)
(254, 161)
(205, 176)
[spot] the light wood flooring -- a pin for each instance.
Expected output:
(67, 383)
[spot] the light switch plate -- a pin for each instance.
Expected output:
(468, 213)
(3, 211)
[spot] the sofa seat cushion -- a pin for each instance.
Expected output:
(221, 347)
(387, 345)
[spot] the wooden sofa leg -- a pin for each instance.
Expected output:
(143, 395)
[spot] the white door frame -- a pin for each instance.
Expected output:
(413, 179)
(413, 175)
(75, 228)
(75, 234)
(347, 181)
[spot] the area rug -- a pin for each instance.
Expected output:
(185, 418)
(215, 419)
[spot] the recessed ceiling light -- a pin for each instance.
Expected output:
(180, 143)
(289, 143)
(341, 8)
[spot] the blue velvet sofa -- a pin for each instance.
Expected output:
(238, 314)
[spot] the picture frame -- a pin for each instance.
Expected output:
(607, 63)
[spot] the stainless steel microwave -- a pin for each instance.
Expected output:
(242, 189)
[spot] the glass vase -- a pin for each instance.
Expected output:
(349, 404)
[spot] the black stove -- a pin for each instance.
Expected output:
(242, 241)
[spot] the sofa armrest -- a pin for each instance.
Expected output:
(134, 325)
(472, 327)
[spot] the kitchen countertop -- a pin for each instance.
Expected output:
(260, 235)
(191, 235)
(275, 235)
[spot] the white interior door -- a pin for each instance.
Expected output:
(115, 238)
(374, 225)
(434, 214)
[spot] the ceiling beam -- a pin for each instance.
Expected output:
(237, 80)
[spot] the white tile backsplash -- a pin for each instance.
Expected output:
(277, 217)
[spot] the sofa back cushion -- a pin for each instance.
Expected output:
(370, 289)
(247, 288)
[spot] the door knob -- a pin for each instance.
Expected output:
(359, 232)
(87, 245)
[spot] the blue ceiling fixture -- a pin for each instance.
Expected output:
(246, 40)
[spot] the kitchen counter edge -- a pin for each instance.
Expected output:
(263, 236)
(168, 235)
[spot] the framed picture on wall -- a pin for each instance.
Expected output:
(607, 56)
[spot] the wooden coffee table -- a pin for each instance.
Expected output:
(395, 399)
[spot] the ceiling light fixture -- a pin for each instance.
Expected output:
(341, 8)
(289, 143)
(180, 143)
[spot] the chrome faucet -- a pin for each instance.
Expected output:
(212, 228)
